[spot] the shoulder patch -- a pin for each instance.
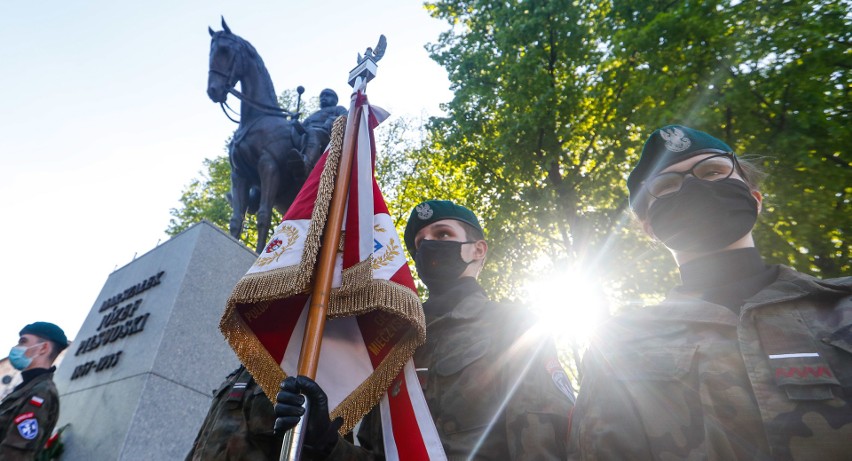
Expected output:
(24, 416)
(36, 401)
(27, 425)
(560, 378)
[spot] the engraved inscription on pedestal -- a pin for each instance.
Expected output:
(136, 383)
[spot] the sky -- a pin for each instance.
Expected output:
(105, 119)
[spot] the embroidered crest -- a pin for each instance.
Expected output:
(424, 211)
(28, 427)
(277, 246)
(36, 401)
(386, 258)
(676, 140)
(560, 379)
(274, 245)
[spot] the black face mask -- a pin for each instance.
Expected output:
(439, 262)
(704, 215)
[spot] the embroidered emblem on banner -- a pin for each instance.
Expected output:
(28, 428)
(274, 245)
(277, 247)
(386, 257)
(676, 140)
(424, 211)
(36, 401)
(560, 378)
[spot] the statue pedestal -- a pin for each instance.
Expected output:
(137, 381)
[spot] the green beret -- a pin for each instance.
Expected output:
(435, 210)
(667, 146)
(46, 330)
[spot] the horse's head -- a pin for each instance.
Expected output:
(226, 62)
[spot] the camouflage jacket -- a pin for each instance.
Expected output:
(238, 425)
(488, 377)
(27, 417)
(687, 379)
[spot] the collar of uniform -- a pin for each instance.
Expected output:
(665, 319)
(791, 285)
(679, 307)
(33, 375)
(470, 307)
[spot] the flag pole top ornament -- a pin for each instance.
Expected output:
(366, 68)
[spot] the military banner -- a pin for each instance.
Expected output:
(375, 319)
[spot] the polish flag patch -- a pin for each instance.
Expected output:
(36, 401)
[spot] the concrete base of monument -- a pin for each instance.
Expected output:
(136, 384)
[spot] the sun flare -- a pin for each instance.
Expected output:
(569, 303)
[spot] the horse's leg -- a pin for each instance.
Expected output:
(239, 203)
(270, 180)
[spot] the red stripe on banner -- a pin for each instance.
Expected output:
(404, 278)
(379, 205)
(275, 325)
(303, 204)
(381, 332)
(405, 422)
(351, 244)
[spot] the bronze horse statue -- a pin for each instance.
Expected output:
(267, 169)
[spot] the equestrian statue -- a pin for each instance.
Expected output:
(271, 152)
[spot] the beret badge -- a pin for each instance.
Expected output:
(676, 140)
(424, 211)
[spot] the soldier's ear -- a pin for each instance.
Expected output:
(759, 197)
(480, 249)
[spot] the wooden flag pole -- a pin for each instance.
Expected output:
(315, 325)
(309, 356)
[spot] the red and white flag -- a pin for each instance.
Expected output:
(375, 319)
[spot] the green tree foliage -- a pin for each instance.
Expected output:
(553, 100)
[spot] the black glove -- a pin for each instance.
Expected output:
(320, 432)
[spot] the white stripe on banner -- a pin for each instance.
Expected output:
(391, 453)
(342, 338)
(792, 356)
(431, 439)
(365, 187)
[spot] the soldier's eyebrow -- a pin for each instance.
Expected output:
(442, 226)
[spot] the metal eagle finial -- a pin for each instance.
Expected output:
(374, 54)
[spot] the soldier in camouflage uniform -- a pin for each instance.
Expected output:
(492, 381)
(29, 414)
(743, 361)
(238, 425)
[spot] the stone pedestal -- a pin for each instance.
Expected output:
(136, 384)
